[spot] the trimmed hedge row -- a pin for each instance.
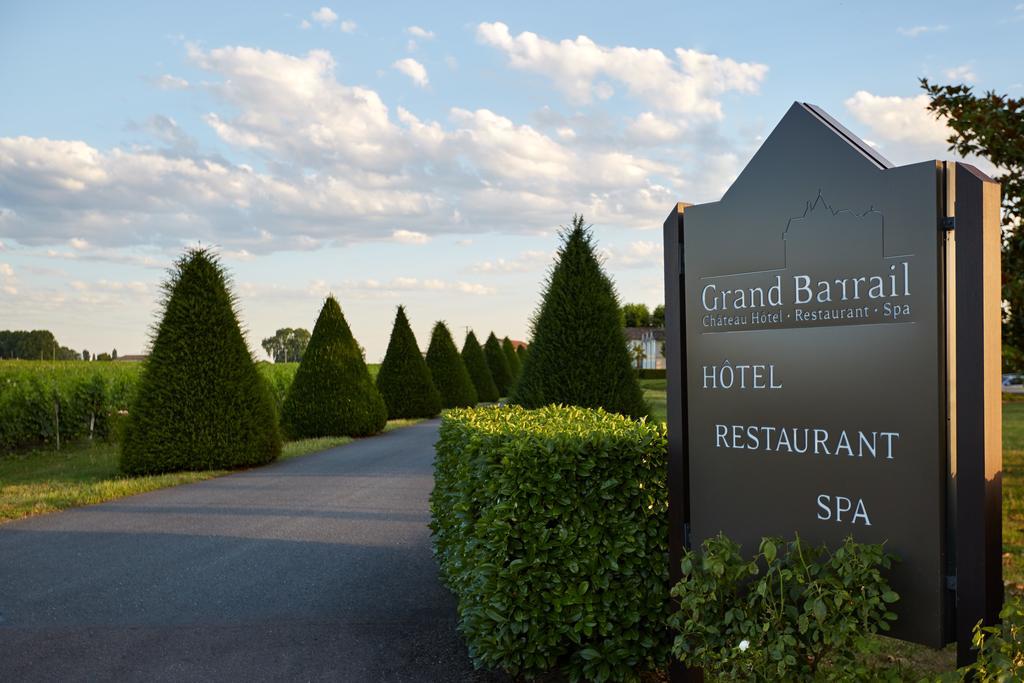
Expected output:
(648, 373)
(550, 526)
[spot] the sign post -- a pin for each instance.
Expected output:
(833, 355)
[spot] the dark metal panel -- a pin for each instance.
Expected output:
(979, 407)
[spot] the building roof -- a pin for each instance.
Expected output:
(640, 333)
(516, 344)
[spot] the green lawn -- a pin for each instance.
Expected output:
(44, 481)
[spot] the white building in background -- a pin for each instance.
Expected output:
(652, 341)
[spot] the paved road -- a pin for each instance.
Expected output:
(314, 568)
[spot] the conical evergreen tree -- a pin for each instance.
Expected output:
(449, 371)
(479, 372)
(513, 360)
(201, 402)
(332, 393)
(498, 364)
(578, 353)
(521, 353)
(404, 378)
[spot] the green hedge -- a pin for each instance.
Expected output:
(550, 526)
(333, 393)
(201, 403)
(404, 379)
(652, 374)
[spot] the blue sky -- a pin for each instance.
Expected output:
(417, 153)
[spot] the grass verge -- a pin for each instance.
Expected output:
(43, 481)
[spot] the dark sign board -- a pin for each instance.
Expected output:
(813, 334)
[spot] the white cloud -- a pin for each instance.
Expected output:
(418, 32)
(639, 254)
(348, 26)
(8, 283)
(169, 82)
(581, 68)
(338, 166)
(526, 262)
(405, 285)
(78, 244)
(410, 237)
(898, 119)
(915, 31)
(414, 70)
(304, 24)
(648, 128)
(324, 16)
(452, 63)
(962, 74)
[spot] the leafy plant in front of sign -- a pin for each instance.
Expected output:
(1000, 648)
(784, 613)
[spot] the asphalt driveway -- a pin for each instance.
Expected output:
(315, 568)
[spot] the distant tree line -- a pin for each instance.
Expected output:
(34, 345)
(638, 315)
(42, 345)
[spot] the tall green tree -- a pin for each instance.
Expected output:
(201, 402)
(514, 366)
(578, 353)
(332, 393)
(404, 378)
(658, 316)
(992, 126)
(287, 345)
(448, 370)
(636, 315)
(498, 364)
(479, 371)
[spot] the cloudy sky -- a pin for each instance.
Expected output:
(417, 153)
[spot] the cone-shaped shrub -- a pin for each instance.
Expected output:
(521, 353)
(511, 358)
(404, 378)
(498, 364)
(332, 393)
(476, 364)
(449, 371)
(578, 352)
(201, 402)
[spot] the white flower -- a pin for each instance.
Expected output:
(744, 644)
